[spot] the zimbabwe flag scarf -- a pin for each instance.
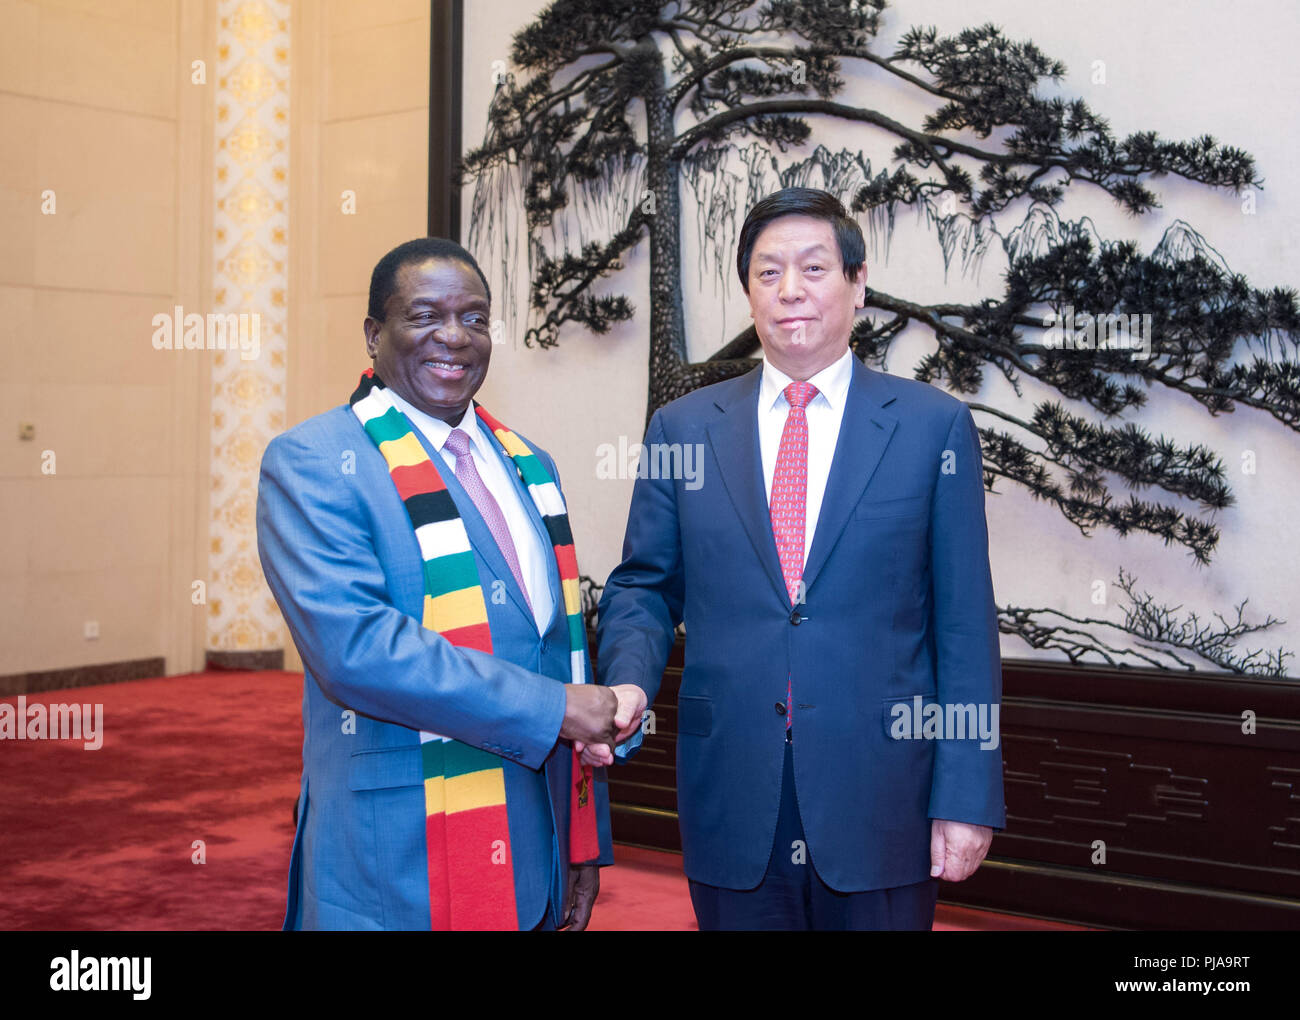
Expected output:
(467, 833)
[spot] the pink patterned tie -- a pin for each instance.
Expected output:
(790, 497)
(467, 474)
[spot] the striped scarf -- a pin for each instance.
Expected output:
(467, 833)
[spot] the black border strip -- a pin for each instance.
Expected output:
(446, 74)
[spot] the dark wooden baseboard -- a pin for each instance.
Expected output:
(1135, 798)
(1105, 899)
(80, 676)
(251, 661)
(134, 669)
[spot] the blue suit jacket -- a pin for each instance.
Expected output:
(898, 605)
(342, 559)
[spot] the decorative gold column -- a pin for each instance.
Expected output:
(250, 268)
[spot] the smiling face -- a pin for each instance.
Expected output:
(801, 302)
(433, 346)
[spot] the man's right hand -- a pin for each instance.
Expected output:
(631, 710)
(589, 714)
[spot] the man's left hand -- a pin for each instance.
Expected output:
(584, 884)
(957, 848)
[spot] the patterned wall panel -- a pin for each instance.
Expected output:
(250, 267)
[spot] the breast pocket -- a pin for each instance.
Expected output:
(909, 506)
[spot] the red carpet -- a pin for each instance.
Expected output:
(104, 839)
(647, 890)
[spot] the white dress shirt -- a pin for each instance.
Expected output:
(824, 412)
(495, 467)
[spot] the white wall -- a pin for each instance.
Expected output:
(1180, 68)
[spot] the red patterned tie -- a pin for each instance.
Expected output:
(789, 500)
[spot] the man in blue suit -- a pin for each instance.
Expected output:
(383, 691)
(830, 563)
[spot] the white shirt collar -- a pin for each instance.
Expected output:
(438, 430)
(832, 383)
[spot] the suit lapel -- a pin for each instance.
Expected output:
(865, 431)
(734, 440)
(530, 508)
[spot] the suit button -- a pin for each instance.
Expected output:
(780, 708)
(795, 618)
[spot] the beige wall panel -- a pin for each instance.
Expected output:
(352, 15)
(90, 524)
(15, 641)
(105, 62)
(114, 177)
(97, 105)
(384, 161)
(158, 14)
(338, 353)
(126, 602)
(19, 459)
(83, 246)
(356, 244)
(107, 432)
(100, 338)
(18, 47)
(16, 535)
(19, 189)
(106, 154)
(18, 238)
(20, 342)
(20, 115)
(377, 70)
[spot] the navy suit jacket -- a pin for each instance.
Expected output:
(898, 606)
(341, 557)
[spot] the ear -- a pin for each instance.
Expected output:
(860, 285)
(371, 328)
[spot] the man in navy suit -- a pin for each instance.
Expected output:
(830, 563)
(342, 558)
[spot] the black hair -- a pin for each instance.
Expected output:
(821, 205)
(383, 280)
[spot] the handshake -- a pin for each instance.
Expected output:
(598, 718)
